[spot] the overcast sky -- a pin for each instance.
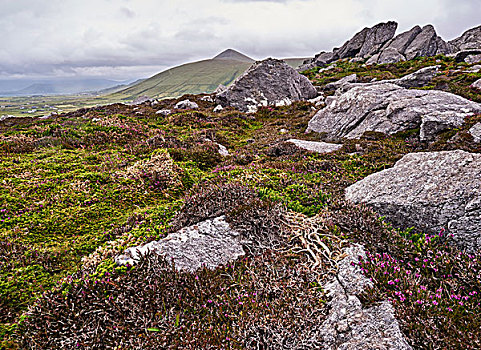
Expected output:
(126, 39)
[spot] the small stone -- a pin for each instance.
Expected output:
(164, 112)
(207, 98)
(186, 104)
(223, 150)
(319, 147)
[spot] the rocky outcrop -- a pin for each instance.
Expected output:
(388, 108)
(469, 40)
(349, 325)
(378, 45)
(426, 43)
(363, 44)
(266, 83)
(209, 243)
(319, 147)
(368, 41)
(186, 104)
(411, 44)
(475, 132)
(430, 191)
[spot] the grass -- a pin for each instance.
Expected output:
(79, 188)
(453, 76)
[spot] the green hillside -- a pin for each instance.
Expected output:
(191, 78)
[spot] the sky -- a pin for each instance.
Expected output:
(130, 39)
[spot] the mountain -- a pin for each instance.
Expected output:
(234, 55)
(191, 78)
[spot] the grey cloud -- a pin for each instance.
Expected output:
(65, 37)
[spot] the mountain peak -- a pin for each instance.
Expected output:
(234, 55)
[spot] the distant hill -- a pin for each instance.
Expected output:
(191, 78)
(59, 87)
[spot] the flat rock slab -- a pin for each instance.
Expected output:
(389, 108)
(349, 325)
(429, 191)
(209, 243)
(319, 147)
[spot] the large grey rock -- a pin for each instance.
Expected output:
(349, 325)
(209, 243)
(388, 108)
(319, 147)
(469, 40)
(426, 43)
(475, 132)
(419, 78)
(429, 191)
(266, 83)
(476, 84)
(186, 104)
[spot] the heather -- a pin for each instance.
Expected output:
(79, 188)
